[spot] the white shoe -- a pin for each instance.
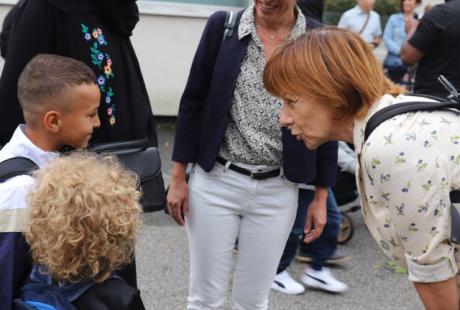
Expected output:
(284, 283)
(323, 279)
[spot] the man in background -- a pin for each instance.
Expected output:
(363, 20)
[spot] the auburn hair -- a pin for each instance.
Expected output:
(332, 66)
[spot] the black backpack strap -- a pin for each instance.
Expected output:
(230, 22)
(402, 108)
(16, 166)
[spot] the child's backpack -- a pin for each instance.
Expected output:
(41, 293)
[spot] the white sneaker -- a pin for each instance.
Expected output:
(323, 279)
(284, 283)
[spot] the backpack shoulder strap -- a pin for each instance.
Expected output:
(16, 166)
(402, 108)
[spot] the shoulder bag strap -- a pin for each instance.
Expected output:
(406, 107)
(16, 166)
(365, 23)
(230, 22)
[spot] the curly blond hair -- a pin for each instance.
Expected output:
(85, 213)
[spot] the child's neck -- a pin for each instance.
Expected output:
(42, 140)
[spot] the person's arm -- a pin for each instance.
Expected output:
(326, 175)
(15, 265)
(378, 33)
(389, 35)
(316, 215)
(32, 34)
(421, 37)
(188, 124)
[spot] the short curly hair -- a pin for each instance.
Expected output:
(85, 214)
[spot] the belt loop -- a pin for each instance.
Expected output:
(281, 172)
(227, 164)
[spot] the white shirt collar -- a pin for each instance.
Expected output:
(20, 145)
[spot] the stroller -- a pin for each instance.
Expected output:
(347, 197)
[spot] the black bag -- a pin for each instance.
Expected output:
(143, 159)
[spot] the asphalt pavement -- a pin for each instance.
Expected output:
(162, 260)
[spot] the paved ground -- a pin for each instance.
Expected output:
(162, 257)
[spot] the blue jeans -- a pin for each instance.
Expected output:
(322, 248)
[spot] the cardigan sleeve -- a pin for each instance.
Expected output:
(188, 125)
(326, 165)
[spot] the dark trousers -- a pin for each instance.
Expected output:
(323, 247)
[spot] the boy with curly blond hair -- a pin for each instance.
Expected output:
(59, 100)
(85, 214)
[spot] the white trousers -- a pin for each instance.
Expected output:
(225, 205)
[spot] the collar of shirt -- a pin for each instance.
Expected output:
(248, 25)
(20, 145)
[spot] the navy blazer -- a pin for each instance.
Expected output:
(204, 111)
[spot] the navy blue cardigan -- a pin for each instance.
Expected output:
(205, 106)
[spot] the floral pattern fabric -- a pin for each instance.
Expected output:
(102, 62)
(406, 170)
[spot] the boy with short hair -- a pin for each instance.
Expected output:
(59, 100)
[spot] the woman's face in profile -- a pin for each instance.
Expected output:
(308, 120)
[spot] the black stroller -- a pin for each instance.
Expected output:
(347, 197)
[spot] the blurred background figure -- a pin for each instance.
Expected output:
(432, 44)
(394, 36)
(363, 20)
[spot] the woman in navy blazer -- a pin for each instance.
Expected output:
(232, 196)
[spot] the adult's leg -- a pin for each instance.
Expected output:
(324, 247)
(265, 228)
(439, 295)
(212, 228)
(290, 250)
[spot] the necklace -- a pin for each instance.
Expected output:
(271, 35)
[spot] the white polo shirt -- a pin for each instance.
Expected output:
(354, 20)
(13, 192)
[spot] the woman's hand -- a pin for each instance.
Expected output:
(316, 215)
(178, 194)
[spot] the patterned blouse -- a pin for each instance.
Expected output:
(406, 169)
(253, 135)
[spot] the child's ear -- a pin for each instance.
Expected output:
(52, 121)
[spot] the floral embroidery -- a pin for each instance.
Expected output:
(103, 62)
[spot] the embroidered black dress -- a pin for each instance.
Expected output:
(97, 33)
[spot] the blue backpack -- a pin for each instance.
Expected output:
(41, 293)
